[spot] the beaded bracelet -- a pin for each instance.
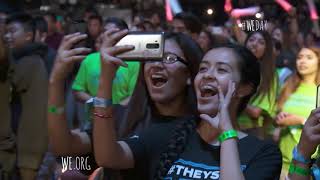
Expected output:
(56, 110)
(293, 169)
(227, 135)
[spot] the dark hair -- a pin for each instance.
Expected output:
(286, 59)
(8, 7)
(210, 37)
(268, 67)
(147, 22)
(92, 10)
(215, 40)
(96, 17)
(25, 19)
(120, 23)
(4, 62)
(139, 15)
(140, 110)
(192, 23)
(277, 44)
(41, 24)
(287, 39)
(180, 136)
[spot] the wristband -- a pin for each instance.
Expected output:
(101, 102)
(227, 135)
(299, 157)
(102, 116)
(55, 110)
(293, 169)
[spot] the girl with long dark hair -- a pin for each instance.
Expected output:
(257, 116)
(150, 103)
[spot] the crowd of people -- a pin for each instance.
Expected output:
(227, 104)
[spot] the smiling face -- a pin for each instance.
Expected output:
(165, 82)
(15, 35)
(218, 67)
(307, 62)
(204, 41)
(256, 44)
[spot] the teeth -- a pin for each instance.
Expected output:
(208, 91)
(206, 87)
(157, 76)
(158, 80)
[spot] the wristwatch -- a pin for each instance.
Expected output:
(101, 102)
(299, 157)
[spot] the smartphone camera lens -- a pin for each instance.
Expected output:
(153, 46)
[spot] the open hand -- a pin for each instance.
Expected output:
(108, 50)
(67, 56)
(222, 120)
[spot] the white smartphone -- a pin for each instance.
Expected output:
(148, 46)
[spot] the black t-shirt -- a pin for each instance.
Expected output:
(168, 122)
(259, 159)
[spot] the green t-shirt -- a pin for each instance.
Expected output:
(269, 107)
(87, 79)
(300, 103)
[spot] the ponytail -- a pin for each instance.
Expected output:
(175, 147)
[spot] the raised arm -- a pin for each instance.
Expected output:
(314, 17)
(63, 140)
(309, 140)
(293, 25)
(229, 154)
(108, 152)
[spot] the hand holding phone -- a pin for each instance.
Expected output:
(109, 51)
(148, 46)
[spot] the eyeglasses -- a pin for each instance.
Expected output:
(170, 58)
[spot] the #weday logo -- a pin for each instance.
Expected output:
(253, 25)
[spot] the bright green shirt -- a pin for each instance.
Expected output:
(87, 79)
(300, 103)
(269, 107)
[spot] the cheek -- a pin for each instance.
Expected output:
(261, 48)
(206, 41)
(248, 44)
(145, 71)
(314, 64)
(224, 81)
(177, 72)
(146, 66)
(197, 79)
(19, 35)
